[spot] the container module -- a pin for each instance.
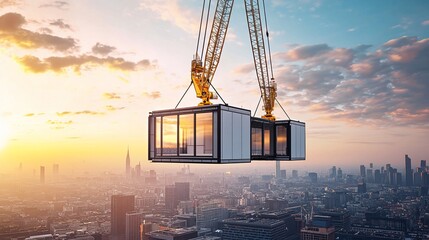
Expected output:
(203, 134)
(278, 140)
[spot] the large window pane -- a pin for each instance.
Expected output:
(256, 141)
(169, 135)
(204, 136)
(186, 135)
(281, 133)
(158, 136)
(267, 138)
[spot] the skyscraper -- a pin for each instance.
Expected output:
(362, 171)
(56, 169)
(133, 220)
(121, 204)
(295, 174)
(278, 174)
(128, 164)
(181, 192)
(170, 202)
(423, 164)
(408, 173)
(42, 174)
(138, 170)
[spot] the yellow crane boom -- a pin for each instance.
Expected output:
(266, 85)
(202, 75)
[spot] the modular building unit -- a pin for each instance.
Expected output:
(279, 140)
(203, 134)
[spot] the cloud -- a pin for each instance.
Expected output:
(11, 32)
(111, 95)
(171, 11)
(85, 112)
(7, 3)
(102, 49)
(304, 52)
(60, 23)
(387, 85)
(60, 64)
(59, 124)
(153, 95)
(111, 108)
(56, 4)
(32, 114)
(425, 23)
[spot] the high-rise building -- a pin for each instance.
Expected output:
(423, 164)
(138, 170)
(408, 173)
(333, 172)
(369, 176)
(278, 174)
(377, 176)
(283, 174)
(42, 174)
(56, 169)
(120, 205)
(128, 164)
(170, 201)
(319, 233)
(340, 173)
(133, 221)
(362, 171)
(181, 192)
(294, 174)
(254, 229)
(209, 215)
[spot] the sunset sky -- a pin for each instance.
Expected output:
(78, 78)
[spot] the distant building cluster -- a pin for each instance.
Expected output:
(139, 204)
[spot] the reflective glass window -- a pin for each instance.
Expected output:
(256, 141)
(158, 136)
(169, 135)
(281, 145)
(204, 134)
(267, 138)
(186, 135)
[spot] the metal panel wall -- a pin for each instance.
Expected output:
(298, 141)
(245, 137)
(236, 135)
(226, 135)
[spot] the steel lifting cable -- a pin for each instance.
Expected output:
(268, 39)
(269, 54)
(199, 31)
(205, 30)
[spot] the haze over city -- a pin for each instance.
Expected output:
(79, 78)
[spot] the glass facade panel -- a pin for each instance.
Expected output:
(158, 136)
(169, 135)
(267, 138)
(256, 141)
(204, 134)
(281, 146)
(186, 135)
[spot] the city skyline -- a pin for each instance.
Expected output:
(78, 84)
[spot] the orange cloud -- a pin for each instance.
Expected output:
(59, 64)
(11, 32)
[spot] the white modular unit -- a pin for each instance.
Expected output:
(203, 134)
(297, 140)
